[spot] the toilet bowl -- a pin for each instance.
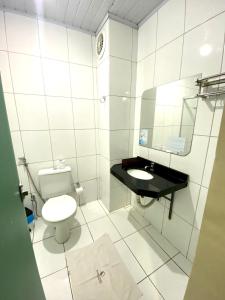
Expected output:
(58, 212)
(59, 208)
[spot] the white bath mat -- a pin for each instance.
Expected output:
(98, 273)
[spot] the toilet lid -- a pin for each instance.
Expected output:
(60, 208)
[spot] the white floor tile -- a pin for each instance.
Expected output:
(42, 230)
(78, 219)
(161, 241)
(80, 237)
(133, 266)
(104, 225)
(57, 286)
(137, 216)
(49, 256)
(170, 281)
(103, 206)
(124, 222)
(183, 263)
(149, 291)
(148, 253)
(92, 211)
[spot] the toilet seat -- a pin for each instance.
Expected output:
(59, 208)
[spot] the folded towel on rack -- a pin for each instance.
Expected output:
(98, 273)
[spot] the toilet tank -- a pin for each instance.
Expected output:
(55, 182)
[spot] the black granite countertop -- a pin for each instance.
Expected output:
(165, 180)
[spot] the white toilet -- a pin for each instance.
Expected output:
(59, 208)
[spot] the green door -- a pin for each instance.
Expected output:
(19, 278)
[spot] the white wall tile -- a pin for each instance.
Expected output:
(72, 162)
(204, 117)
(85, 142)
(17, 144)
(145, 74)
(119, 113)
(147, 37)
(80, 47)
(118, 194)
(84, 114)
(81, 81)
(143, 152)
(119, 144)
(120, 77)
(186, 201)
(217, 116)
(60, 113)
(32, 112)
(203, 48)
(193, 244)
(209, 161)
(90, 191)
(201, 207)
(168, 61)
(22, 34)
(26, 74)
(95, 83)
(86, 168)
(134, 45)
(154, 214)
(159, 157)
(63, 144)
(53, 40)
(177, 231)
(133, 79)
(193, 163)
(56, 78)
(23, 178)
(5, 72)
(104, 143)
(94, 54)
(170, 21)
(103, 78)
(11, 111)
(199, 11)
(104, 114)
(120, 40)
(37, 146)
(3, 44)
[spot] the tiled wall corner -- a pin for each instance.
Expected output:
(183, 38)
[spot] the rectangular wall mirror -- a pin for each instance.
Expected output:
(168, 116)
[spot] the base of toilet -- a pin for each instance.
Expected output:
(62, 232)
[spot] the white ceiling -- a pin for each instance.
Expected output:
(84, 14)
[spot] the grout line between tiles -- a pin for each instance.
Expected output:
(52, 273)
(68, 272)
(180, 266)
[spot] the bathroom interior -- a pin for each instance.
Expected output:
(111, 127)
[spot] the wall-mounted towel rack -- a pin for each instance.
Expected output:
(211, 81)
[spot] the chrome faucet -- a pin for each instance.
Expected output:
(151, 167)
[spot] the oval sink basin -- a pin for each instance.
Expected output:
(140, 174)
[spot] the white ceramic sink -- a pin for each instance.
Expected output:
(140, 174)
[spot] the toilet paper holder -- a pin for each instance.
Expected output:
(78, 188)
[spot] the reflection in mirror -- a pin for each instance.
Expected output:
(168, 116)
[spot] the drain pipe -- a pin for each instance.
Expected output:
(145, 205)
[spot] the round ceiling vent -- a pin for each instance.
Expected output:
(100, 45)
